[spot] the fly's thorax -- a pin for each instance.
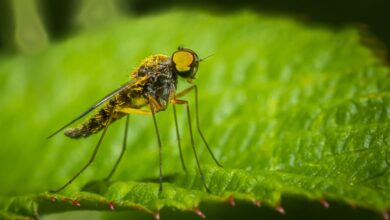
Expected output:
(161, 87)
(159, 79)
(152, 65)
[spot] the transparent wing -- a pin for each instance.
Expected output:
(99, 103)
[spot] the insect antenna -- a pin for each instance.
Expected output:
(201, 59)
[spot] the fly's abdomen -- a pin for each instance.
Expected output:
(102, 118)
(108, 113)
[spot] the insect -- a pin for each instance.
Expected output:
(152, 88)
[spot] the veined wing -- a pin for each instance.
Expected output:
(99, 103)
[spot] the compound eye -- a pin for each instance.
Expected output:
(183, 61)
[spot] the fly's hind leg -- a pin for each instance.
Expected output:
(90, 160)
(184, 92)
(124, 145)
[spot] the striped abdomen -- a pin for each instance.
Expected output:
(106, 115)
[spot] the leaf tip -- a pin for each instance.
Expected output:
(385, 215)
(76, 203)
(199, 213)
(257, 203)
(280, 209)
(53, 199)
(324, 203)
(231, 201)
(111, 206)
(157, 215)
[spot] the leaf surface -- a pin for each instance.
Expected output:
(287, 108)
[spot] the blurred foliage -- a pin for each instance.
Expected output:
(27, 25)
(29, 32)
(61, 18)
(288, 109)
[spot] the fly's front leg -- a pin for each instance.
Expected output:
(184, 102)
(155, 107)
(184, 92)
(178, 138)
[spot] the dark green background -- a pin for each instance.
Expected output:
(58, 16)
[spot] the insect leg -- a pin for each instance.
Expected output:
(152, 107)
(127, 111)
(184, 92)
(134, 111)
(198, 127)
(176, 101)
(90, 160)
(178, 138)
(124, 145)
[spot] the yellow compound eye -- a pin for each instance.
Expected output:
(183, 60)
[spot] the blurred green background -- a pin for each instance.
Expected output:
(28, 25)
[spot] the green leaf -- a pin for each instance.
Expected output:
(289, 109)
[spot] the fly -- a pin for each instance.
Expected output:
(152, 88)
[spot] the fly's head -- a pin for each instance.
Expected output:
(185, 63)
